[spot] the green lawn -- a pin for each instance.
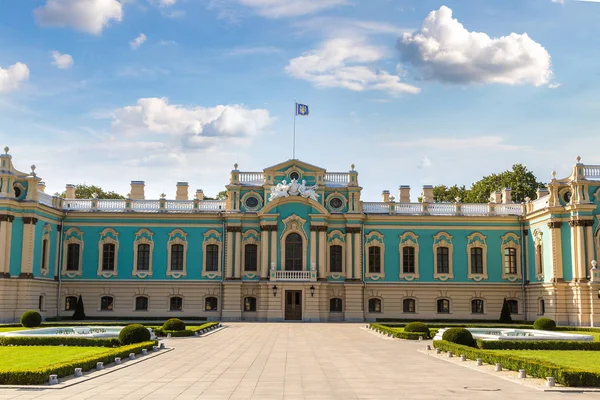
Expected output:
(596, 335)
(588, 360)
(5, 329)
(28, 357)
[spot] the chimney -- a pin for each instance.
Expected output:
(385, 196)
(427, 194)
(506, 197)
(182, 191)
(496, 197)
(404, 194)
(542, 192)
(137, 190)
(200, 194)
(70, 191)
(41, 186)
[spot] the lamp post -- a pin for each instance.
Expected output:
(312, 291)
(275, 291)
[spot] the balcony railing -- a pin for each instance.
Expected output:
(293, 276)
(592, 172)
(440, 209)
(255, 178)
(337, 178)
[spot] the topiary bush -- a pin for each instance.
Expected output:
(459, 336)
(505, 317)
(544, 324)
(134, 333)
(417, 327)
(31, 319)
(79, 313)
(174, 324)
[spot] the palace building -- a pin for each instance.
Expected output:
(296, 242)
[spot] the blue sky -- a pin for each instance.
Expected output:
(412, 92)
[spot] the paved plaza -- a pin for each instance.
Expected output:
(293, 361)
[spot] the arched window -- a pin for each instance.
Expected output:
(70, 303)
(42, 303)
(177, 257)
(106, 303)
(409, 306)
(477, 306)
(374, 305)
(175, 303)
(143, 257)
(212, 257)
(513, 306)
(108, 257)
(211, 304)
(250, 257)
(335, 305)
(510, 261)
(73, 257)
(249, 304)
(542, 307)
(141, 303)
(443, 306)
(293, 252)
(335, 258)
(443, 260)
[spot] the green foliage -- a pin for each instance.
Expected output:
(79, 313)
(400, 334)
(417, 327)
(173, 324)
(544, 324)
(134, 333)
(459, 336)
(57, 341)
(537, 345)
(31, 319)
(537, 368)
(222, 195)
(83, 191)
(505, 317)
(38, 376)
(444, 194)
(189, 330)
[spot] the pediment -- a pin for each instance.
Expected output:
(294, 164)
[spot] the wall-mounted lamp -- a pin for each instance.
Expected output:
(312, 291)
(275, 291)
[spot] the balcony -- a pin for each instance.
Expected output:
(293, 276)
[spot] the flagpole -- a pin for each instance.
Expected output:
(294, 143)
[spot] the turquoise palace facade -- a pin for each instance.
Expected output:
(296, 242)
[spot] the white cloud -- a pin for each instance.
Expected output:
(138, 41)
(346, 63)
(166, 3)
(290, 8)
(343, 27)
(448, 143)
(445, 51)
(559, 1)
(62, 61)
(424, 163)
(554, 85)
(11, 77)
(244, 51)
(90, 16)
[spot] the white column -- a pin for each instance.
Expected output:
(274, 247)
(357, 256)
(238, 253)
(229, 255)
(348, 260)
(264, 253)
(313, 248)
(5, 243)
(322, 260)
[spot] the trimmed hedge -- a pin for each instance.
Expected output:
(544, 324)
(537, 345)
(134, 333)
(539, 369)
(39, 376)
(189, 331)
(58, 341)
(31, 319)
(459, 336)
(173, 324)
(399, 334)
(417, 327)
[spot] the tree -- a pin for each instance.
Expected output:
(79, 313)
(522, 182)
(222, 195)
(444, 194)
(83, 191)
(505, 317)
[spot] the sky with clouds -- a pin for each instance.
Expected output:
(411, 92)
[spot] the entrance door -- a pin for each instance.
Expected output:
(293, 305)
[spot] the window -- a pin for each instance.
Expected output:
(335, 305)
(70, 303)
(106, 303)
(141, 303)
(374, 305)
(443, 260)
(294, 176)
(251, 202)
(176, 303)
(143, 257)
(476, 260)
(542, 310)
(108, 257)
(408, 260)
(374, 259)
(41, 303)
(336, 203)
(539, 255)
(250, 256)
(44, 254)
(443, 306)
(510, 261)
(477, 306)
(177, 257)
(293, 252)
(73, 257)
(249, 304)
(211, 304)
(409, 306)
(513, 306)
(212, 258)
(335, 258)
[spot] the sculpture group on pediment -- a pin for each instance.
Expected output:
(293, 188)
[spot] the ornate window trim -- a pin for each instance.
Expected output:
(443, 239)
(251, 193)
(45, 258)
(338, 196)
(294, 224)
(177, 236)
(409, 239)
(336, 238)
(475, 240)
(416, 303)
(511, 240)
(212, 236)
(72, 236)
(143, 236)
(375, 239)
(251, 236)
(538, 251)
(108, 236)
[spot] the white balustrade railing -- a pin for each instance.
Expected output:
(337, 177)
(540, 204)
(212, 205)
(509, 209)
(111, 205)
(408, 208)
(292, 275)
(591, 172)
(376, 207)
(474, 209)
(77, 204)
(441, 208)
(145, 205)
(45, 198)
(179, 205)
(252, 177)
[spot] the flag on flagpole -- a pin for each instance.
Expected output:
(301, 109)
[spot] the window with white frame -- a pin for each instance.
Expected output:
(443, 306)
(45, 259)
(375, 249)
(442, 256)
(73, 252)
(211, 249)
(143, 252)
(175, 303)
(477, 306)
(211, 304)
(409, 256)
(177, 254)
(141, 303)
(106, 303)
(409, 306)
(511, 254)
(477, 256)
(375, 305)
(108, 251)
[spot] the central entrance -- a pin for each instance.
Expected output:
(293, 252)
(293, 305)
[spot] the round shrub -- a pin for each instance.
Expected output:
(544, 324)
(31, 319)
(134, 333)
(417, 327)
(174, 324)
(459, 336)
